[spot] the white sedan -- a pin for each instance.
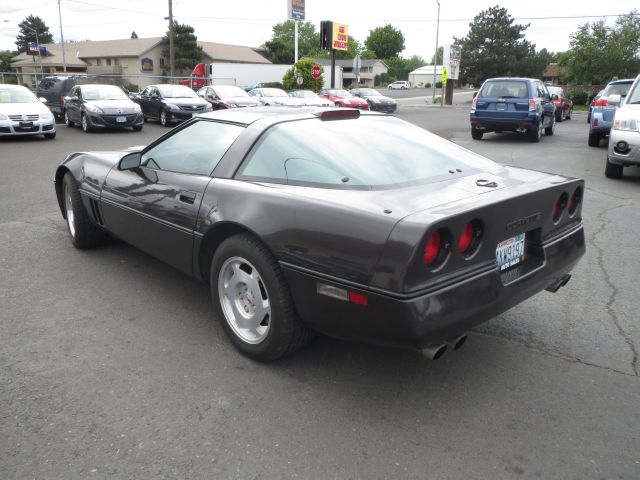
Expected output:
(22, 113)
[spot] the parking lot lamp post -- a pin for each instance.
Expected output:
(435, 57)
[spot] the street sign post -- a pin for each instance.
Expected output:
(357, 64)
(316, 73)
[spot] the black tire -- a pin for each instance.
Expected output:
(50, 136)
(549, 131)
(244, 266)
(82, 231)
(163, 118)
(137, 128)
(86, 128)
(67, 121)
(476, 133)
(536, 135)
(611, 170)
(594, 139)
(568, 117)
(559, 118)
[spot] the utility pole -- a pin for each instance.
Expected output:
(172, 53)
(295, 42)
(64, 61)
(435, 57)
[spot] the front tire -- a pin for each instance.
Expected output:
(252, 300)
(67, 120)
(611, 170)
(594, 139)
(137, 128)
(85, 124)
(82, 231)
(163, 118)
(50, 136)
(548, 131)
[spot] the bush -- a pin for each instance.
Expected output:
(438, 84)
(579, 97)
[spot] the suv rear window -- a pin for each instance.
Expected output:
(617, 89)
(505, 89)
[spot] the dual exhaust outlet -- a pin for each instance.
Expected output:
(434, 352)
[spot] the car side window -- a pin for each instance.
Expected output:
(195, 149)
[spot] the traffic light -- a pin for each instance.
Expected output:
(326, 34)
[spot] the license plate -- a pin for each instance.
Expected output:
(510, 252)
(26, 124)
(501, 106)
(121, 119)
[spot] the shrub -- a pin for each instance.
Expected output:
(579, 97)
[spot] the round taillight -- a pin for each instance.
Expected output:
(574, 201)
(432, 249)
(466, 238)
(558, 207)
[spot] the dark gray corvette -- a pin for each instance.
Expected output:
(360, 226)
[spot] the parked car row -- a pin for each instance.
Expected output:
(624, 137)
(22, 113)
(604, 109)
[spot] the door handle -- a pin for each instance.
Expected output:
(187, 197)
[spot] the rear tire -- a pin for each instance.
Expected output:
(252, 300)
(594, 139)
(476, 133)
(82, 231)
(536, 135)
(611, 170)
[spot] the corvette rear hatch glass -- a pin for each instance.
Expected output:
(367, 153)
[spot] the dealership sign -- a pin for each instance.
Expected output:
(146, 65)
(340, 37)
(295, 9)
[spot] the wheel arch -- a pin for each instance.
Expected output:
(61, 171)
(212, 239)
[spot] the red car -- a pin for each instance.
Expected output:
(564, 105)
(343, 98)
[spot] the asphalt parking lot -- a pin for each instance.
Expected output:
(112, 365)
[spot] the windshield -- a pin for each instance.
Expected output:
(230, 92)
(274, 92)
(303, 94)
(617, 89)
(339, 93)
(16, 95)
(355, 154)
(176, 91)
(504, 89)
(103, 92)
(370, 92)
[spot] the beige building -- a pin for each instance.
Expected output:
(137, 61)
(368, 71)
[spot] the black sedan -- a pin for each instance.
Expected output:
(170, 104)
(376, 100)
(357, 225)
(101, 106)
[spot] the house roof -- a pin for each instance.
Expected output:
(553, 70)
(77, 52)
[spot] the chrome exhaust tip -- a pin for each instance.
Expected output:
(434, 352)
(457, 342)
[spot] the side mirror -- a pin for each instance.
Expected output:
(130, 161)
(42, 100)
(614, 99)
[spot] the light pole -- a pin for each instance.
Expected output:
(39, 54)
(64, 60)
(435, 57)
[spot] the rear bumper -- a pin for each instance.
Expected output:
(505, 123)
(427, 319)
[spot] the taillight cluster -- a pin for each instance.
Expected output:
(566, 203)
(533, 104)
(439, 244)
(601, 102)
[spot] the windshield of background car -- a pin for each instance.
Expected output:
(273, 92)
(555, 91)
(176, 91)
(339, 93)
(230, 92)
(16, 95)
(370, 92)
(617, 89)
(304, 94)
(504, 89)
(365, 153)
(103, 92)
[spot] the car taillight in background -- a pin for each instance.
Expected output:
(474, 102)
(558, 207)
(470, 237)
(601, 102)
(574, 201)
(533, 104)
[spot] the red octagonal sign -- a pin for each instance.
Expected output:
(316, 72)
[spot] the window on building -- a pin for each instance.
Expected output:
(161, 61)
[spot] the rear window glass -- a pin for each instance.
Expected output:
(617, 89)
(365, 153)
(504, 89)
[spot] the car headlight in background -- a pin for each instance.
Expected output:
(626, 124)
(47, 115)
(209, 108)
(93, 108)
(172, 107)
(136, 108)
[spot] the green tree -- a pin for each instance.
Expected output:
(399, 68)
(303, 67)
(495, 46)
(28, 28)
(5, 60)
(386, 42)
(187, 52)
(598, 52)
(440, 56)
(280, 48)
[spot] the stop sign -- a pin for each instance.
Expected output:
(316, 72)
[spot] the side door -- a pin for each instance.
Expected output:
(145, 101)
(548, 107)
(154, 205)
(73, 104)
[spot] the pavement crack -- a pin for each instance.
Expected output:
(614, 289)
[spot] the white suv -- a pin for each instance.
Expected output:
(624, 138)
(399, 85)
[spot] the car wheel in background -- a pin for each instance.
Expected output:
(83, 233)
(137, 128)
(252, 300)
(611, 170)
(476, 133)
(548, 131)
(163, 118)
(568, 117)
(536, 135)
(85, 124)
(67, 121)
(50, 136)
(594, 139)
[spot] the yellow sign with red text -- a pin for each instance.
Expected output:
(340, 37)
